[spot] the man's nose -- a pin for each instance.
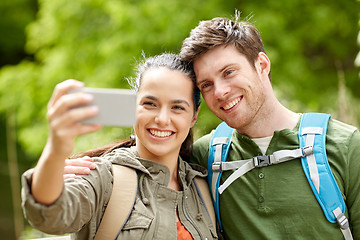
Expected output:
(221, 88)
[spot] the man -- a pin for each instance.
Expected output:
(274, 202)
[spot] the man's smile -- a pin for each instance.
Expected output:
(229, 105)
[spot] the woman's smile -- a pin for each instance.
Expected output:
(160, 133)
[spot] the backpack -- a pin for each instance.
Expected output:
(312, 151)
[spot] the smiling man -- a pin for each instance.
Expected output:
(274, 202)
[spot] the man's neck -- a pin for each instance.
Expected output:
(276, 118)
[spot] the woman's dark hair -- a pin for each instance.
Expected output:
(172, 62)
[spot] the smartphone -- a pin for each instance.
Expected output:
(116, 106)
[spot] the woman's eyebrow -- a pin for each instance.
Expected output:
(151, 97)
(181, 101)
(176, 101)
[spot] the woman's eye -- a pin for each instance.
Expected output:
(150, 104)
(179, 108)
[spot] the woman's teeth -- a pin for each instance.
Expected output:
(157, 133)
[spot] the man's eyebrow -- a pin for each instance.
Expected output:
(226, 66)
(198, 83)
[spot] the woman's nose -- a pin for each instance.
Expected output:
(162, 117)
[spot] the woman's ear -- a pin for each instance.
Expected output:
(193, 121)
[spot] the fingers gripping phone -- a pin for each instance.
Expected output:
(116, 106)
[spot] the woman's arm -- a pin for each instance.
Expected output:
(64, 116)
(79, 206)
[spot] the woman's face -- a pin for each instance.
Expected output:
(164, 114)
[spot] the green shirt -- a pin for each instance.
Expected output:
(276, 202)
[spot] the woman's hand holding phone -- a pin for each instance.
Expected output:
(65, 112)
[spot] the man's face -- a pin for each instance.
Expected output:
(232, 88)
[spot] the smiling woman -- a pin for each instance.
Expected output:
(167, 196)
(164, 116)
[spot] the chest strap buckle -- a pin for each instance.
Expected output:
(261, 161)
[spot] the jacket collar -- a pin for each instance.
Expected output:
(158, 172)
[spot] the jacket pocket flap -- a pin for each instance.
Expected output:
(137, 220)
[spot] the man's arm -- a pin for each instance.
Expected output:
(353, 190)
(78, 166)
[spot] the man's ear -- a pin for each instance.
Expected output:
(193, 121)
(263, 64)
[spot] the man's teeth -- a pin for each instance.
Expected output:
(157, 133)
(231, 104)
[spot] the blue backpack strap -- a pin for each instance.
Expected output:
(219, 148)
(312, 132)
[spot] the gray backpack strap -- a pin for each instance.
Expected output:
(243, 166)
(121, 202)
(203, 190)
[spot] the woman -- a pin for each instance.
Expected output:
(167, 205)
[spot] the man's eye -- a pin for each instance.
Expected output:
(205, 85)
(228, 72)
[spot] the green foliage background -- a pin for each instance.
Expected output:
(311, 44)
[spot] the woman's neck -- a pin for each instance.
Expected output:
(170, 161)
(174, 182)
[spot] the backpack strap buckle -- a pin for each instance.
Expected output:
(216, 167)
(306, 151)
(342, 221)
(341, 218)
(261, 161)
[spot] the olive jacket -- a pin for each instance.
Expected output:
(82, 203)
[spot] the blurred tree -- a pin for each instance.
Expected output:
(14, 16)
